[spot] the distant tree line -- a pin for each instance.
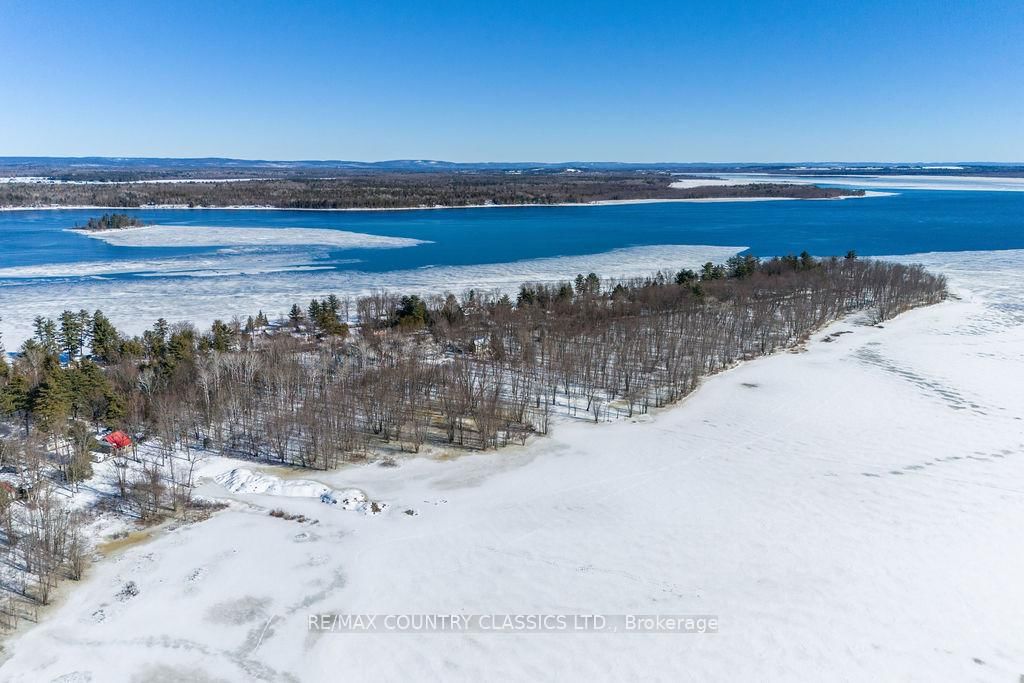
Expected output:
(398, 190)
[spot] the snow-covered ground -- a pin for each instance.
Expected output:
(895, 182)
(852, 512)
(687, 182)
(213, 289)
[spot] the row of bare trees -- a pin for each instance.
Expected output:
(484, 370)
(42, 535)
(478, 371)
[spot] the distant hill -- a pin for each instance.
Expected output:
(141, 168)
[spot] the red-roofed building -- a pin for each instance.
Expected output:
(118, 439)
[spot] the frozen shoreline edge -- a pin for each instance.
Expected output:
(600, 202)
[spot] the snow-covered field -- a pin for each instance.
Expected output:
(852, 512)
(213, 290)
(893, 182)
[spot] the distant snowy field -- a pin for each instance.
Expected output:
(891, 182)
(850, 512)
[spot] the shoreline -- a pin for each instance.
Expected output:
(553, 508)
(105, 553)
(597, 202)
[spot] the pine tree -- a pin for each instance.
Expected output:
(580, 284)
(106, 342)
(222, 337)
(295, 317)
(4, 368)
(70, 334)
(88, 388)
(46, 333)
(51, 403)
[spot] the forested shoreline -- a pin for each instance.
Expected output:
(396, 190)
(340, 381)
(480, 367)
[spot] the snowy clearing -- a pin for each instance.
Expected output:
(892, 182)
(849, 512)
(687, 182)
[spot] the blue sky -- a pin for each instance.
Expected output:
(538, 81)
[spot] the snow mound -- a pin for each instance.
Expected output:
(243, 480)
(353, 499)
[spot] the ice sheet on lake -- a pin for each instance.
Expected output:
(230, 261)
(199, 236)
(135, 304)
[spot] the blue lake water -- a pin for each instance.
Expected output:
(909, 222)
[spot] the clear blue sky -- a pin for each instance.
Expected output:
(715, 80)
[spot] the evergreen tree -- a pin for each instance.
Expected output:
(4, 367)
(88, 388)
(51, 402)
(580, 284)
(295, 317)
(182, 345)
(160, 328)
(222, 337)
(314, 311)
(70, 334)
(412, 311)
(709, 271)
(742, 266)
(106, 342)
(46, 333)
(686, 277)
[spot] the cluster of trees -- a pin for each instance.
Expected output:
(59, 398)
(111, 221)
(476, 371)
(397, 190)
(325, 317)
(43, 539)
